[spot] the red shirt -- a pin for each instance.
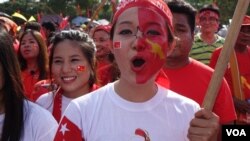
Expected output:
(29, 80)
(243, 60)
(104, 73)
(192, 81)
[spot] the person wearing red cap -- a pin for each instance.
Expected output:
(106, 69)
(242, 56)
(135, 107)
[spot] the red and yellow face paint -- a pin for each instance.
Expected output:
(154, 42)
(141, 35)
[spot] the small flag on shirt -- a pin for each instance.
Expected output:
(68, 131)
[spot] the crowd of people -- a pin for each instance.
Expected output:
(136, 78)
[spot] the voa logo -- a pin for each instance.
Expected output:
(236, 132)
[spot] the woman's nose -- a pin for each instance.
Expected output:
(66, 67)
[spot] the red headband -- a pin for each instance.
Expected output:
(209, 13)
(158, 5)
(105, 28)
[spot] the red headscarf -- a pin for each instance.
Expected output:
(105, 28)
(157, 5)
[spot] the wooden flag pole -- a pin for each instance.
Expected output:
(237, 91)
(226, 51)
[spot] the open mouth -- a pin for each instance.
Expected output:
(138, 62)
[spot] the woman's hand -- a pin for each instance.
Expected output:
(204, 126)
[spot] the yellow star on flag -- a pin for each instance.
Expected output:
(156, 48)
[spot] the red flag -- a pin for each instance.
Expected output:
(68, 131)
(117, 44)
(80, 68)
(64, 23)
(39, 17)
(88, 13)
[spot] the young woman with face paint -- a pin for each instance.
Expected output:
(33, 59)
(106, 69)
(72, 66)
(20, 119)
(135, 107)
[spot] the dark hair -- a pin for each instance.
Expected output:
(49, 26)
(42, 59)
(12, 92)
(85, 43)
(183, 7)
(33, 26)
(210, 7)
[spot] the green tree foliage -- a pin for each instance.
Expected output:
(68, 7)
(58, 6)
(227, 8)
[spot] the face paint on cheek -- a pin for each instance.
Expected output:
(152, 50)
(34, 46)
(154, 59)
(156, 49)
(80, 68)
(117, 45)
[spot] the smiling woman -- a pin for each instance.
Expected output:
(72, 68)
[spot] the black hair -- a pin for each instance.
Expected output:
(33, 26)
(12, 92)
(49, 26)
(183, 7)
(210, 7)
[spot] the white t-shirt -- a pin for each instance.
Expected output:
(47, 101)
(104, 115)
(39, 124)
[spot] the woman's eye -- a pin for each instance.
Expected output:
(125, 32)
(32, 41)
(181, 30)
(153, 32)
(75, 60)
(57, 61)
